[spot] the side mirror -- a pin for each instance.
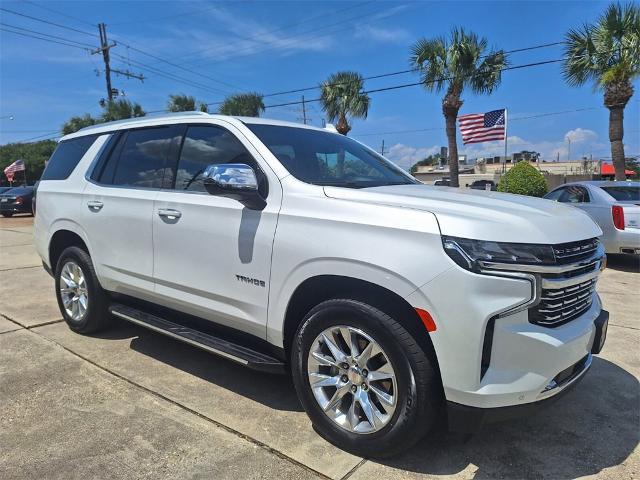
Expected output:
(234, 180)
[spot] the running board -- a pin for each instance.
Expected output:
(223, 348)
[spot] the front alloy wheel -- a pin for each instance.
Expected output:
(352, 379)
(366, 384)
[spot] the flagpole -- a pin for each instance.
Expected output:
(505, 139)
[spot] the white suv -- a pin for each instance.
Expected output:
(288, 248)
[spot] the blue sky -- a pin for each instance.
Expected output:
(275, 46)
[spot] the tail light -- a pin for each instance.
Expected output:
(617, 212)
(19, 201)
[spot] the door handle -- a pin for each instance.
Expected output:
(95, 205)
(169, 213)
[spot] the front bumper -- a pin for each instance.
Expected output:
(491, 354)
(467, 419)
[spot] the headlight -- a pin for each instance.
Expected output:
(468, 253)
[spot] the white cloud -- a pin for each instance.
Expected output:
(405, 155)
(580, 135)
(584, 142)
(383, 35)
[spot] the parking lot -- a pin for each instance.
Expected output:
(132, 403)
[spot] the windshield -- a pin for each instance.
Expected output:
(623, 193)
(324, 158)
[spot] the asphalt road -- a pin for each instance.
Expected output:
(129, 403)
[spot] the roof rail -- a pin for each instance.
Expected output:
(146, 117)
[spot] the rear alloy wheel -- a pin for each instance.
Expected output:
(366, 384)
(82, 301)
(73, 291)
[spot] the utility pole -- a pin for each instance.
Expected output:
(569, 150)
(104, 49)
(382, 148)
(304, 111)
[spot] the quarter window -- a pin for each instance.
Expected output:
(204, 146)
(66, 156)
(575, 194)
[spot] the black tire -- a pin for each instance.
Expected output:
(7, 214)
(97, 316)
(419, 402)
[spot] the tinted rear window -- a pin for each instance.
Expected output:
(143, 158)
(66, 156)
(623, 193)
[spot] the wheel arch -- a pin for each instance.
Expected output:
(62, 239)
(317, 289)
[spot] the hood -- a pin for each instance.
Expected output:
(483, 215)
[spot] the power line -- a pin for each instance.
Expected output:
(168, 75)
(15, 27)
(390, 74)
(414, 84)
(61, 13)
(43, 39)
(177, 66)
(48, 22)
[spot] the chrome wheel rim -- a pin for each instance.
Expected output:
(352, 379)
(73, 291)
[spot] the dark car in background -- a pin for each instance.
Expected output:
(16, 200)
(4, 189)
(484, 185)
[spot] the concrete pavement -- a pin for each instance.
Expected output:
(132, 403)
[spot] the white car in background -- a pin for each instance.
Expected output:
(615, 206)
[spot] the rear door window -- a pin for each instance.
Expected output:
(143, 158)
(575, 194)
(66, 157)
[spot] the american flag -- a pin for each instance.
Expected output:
(482, 127)
(16, 166)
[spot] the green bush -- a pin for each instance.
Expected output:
(523, 179)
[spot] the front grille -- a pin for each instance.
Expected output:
(574, 251)
(560, 305)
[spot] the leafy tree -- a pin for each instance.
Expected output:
(121, 109)
(185, 103)
(523, 179)
(607, 53)
(430, 160)
(451, 65)
(76, 123)
(34, 154)
(342, 97)
(243, 105)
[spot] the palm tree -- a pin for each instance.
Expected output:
(121, 109)
(184, 103)
(243, 105)
(341, 96)
(453, 64)
(608, 54)
(76, 123)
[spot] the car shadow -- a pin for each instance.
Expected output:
(592, 428)
(624, 263)
(272, 390)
